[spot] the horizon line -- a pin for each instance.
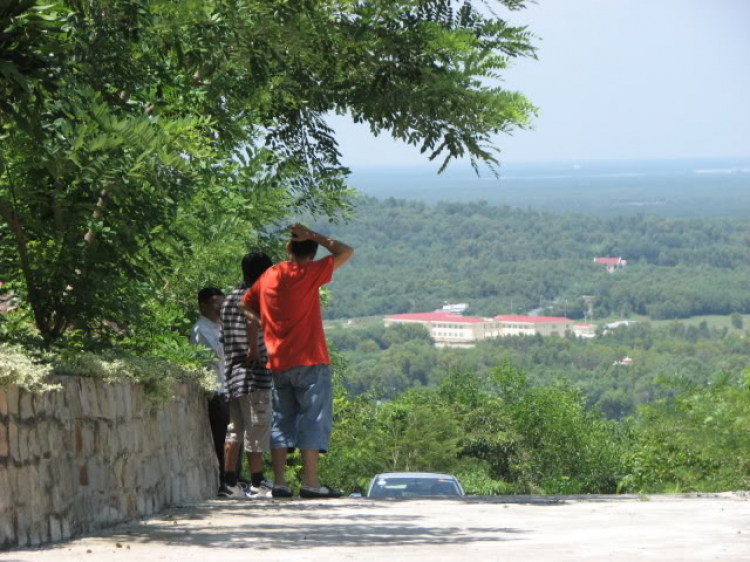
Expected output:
(551, 161)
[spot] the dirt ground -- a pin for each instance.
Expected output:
(662, 528)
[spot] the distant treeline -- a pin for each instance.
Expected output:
(412, 256)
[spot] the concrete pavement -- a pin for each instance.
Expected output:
(664, 528)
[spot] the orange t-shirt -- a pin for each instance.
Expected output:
(288, 300)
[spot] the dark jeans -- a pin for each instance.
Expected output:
(218, 417)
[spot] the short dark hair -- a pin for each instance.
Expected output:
(205, 294)
(253, 266)
(304, 249)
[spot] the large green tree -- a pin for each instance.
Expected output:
(127, 125)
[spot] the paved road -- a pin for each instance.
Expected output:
(522, 528)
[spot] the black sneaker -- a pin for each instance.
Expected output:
(281, 492)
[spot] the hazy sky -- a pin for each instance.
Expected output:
(618, 79)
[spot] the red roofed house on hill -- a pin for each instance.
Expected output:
(447, 329)
(611, 263)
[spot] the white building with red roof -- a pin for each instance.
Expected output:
(446, 328)
(584, 330)
(515, 325)
(611, 263)
(454, 330)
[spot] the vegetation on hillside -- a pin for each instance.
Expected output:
(385, 362)
(501, 434)
(412, 257)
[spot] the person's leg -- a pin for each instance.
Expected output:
(237, 427)
(278, 461)
(231, 454)
(218, 417)
(310, 468)
(239, 459)
(255, 464)
(257, 413)
(284, 425)
(314, 391)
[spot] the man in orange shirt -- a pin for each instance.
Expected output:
(285, 302)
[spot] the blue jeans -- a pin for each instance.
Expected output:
(302, 408)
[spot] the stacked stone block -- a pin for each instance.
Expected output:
(94, 454)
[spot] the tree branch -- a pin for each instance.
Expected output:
(101, 204)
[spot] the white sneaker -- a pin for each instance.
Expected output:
(235, 493)
(260, 492)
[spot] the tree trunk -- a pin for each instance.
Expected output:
(42, 317)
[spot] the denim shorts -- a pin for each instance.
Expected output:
(302, 408)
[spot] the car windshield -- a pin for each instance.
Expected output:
(413, 487)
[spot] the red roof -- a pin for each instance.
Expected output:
(435, 317)
(531, 319)
(608, 261)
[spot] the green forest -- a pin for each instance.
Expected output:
(413, 257)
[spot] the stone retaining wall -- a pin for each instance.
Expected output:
(95, 454)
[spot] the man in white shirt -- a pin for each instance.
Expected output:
(207, 332)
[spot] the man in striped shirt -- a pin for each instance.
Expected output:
(248, 386)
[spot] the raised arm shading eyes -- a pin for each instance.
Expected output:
(341, 252)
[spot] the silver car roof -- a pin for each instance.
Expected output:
(425, 475)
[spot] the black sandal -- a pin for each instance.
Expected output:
(281, 492)
(320, 492)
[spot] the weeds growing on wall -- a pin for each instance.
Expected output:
(37, 373)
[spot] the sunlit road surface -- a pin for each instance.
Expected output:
(661, 528)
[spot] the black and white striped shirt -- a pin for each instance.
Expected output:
(239, 379)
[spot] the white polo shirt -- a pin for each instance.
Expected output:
(208, 333)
